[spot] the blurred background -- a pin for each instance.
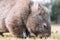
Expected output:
(54, 9)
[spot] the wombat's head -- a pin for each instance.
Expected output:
(44, 30)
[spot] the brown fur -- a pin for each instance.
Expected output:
(37, 22)
(17, 17)
(14, 17)
(5, 7)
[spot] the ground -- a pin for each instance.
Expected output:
(55, 35)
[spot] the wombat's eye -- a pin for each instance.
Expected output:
(45, 26)
(40, 13)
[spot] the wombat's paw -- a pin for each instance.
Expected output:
(31, 35)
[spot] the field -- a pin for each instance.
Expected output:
(55, 35)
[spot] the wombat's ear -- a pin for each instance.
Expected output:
(31, 3)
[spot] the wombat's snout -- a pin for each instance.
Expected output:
(42, 28)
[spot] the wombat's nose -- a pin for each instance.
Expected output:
(40, 36)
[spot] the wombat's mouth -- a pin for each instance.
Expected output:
(45, 35)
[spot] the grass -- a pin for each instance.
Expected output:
(55, 35)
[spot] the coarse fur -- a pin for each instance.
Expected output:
(13, 17)
(17, 18)
(37, 22)
(5, 6)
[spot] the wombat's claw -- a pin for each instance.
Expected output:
(24, 35)
(31, 35)
(2, 34)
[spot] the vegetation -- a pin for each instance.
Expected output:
(55, 14)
